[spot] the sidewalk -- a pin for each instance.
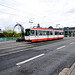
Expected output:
(73, 72)
(5, 42)
(68, 71)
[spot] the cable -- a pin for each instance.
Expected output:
(28, 7)
(23, 16)
(16, 9)
(13, 14)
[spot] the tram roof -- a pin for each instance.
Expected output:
(46, 29)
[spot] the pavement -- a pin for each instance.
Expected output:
(5, 42)
(73, 72)
(68, 71)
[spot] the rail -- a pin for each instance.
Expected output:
(8, 38)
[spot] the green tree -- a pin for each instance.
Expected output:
(5, 34)
(9, 33)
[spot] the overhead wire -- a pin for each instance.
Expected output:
(28, 7)
(16, 9)
(13, 14)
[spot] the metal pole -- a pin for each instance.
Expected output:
(68, 32)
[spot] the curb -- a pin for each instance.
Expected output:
(67, 71)
(5, 42)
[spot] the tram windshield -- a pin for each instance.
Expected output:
(27, 32)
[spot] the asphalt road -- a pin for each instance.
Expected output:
(42, 58)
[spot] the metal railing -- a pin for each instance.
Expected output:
(8, 38)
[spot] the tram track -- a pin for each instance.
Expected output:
(17, 46)
(13, 46)
(26, 46)
(49, 50)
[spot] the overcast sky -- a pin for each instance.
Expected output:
(45, 12)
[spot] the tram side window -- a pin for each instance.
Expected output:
(27, 32)
(40, 32)
(51, 33)
(44, 33)
(56, 33)
(61, 33)
(47, 32)
(32, 33)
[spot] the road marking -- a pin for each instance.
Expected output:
(20, 63)
(61, 47)
(72, 43)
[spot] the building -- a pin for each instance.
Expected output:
(69, 31)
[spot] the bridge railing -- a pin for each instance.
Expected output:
(8, 38)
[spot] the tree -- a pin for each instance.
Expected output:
(5, 34)
(9, 33)
(1, 35)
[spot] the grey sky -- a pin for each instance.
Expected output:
(45, 12)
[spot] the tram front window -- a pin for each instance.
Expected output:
(27, 32)
(32, 33)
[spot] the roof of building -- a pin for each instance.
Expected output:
(71, 28)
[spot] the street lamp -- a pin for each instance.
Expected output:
(30, 21)
(57, 25)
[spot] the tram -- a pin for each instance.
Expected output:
(42, 34)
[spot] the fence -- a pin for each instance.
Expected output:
(8, 38)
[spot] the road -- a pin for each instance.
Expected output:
(42, 58)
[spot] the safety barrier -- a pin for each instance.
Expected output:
(8, 38)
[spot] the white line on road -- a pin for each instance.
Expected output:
(20, 63)
(72, 43)
(61, 47)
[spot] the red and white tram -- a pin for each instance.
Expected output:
(42, 34)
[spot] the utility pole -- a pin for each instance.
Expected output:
(57, 25)
(30, 21)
